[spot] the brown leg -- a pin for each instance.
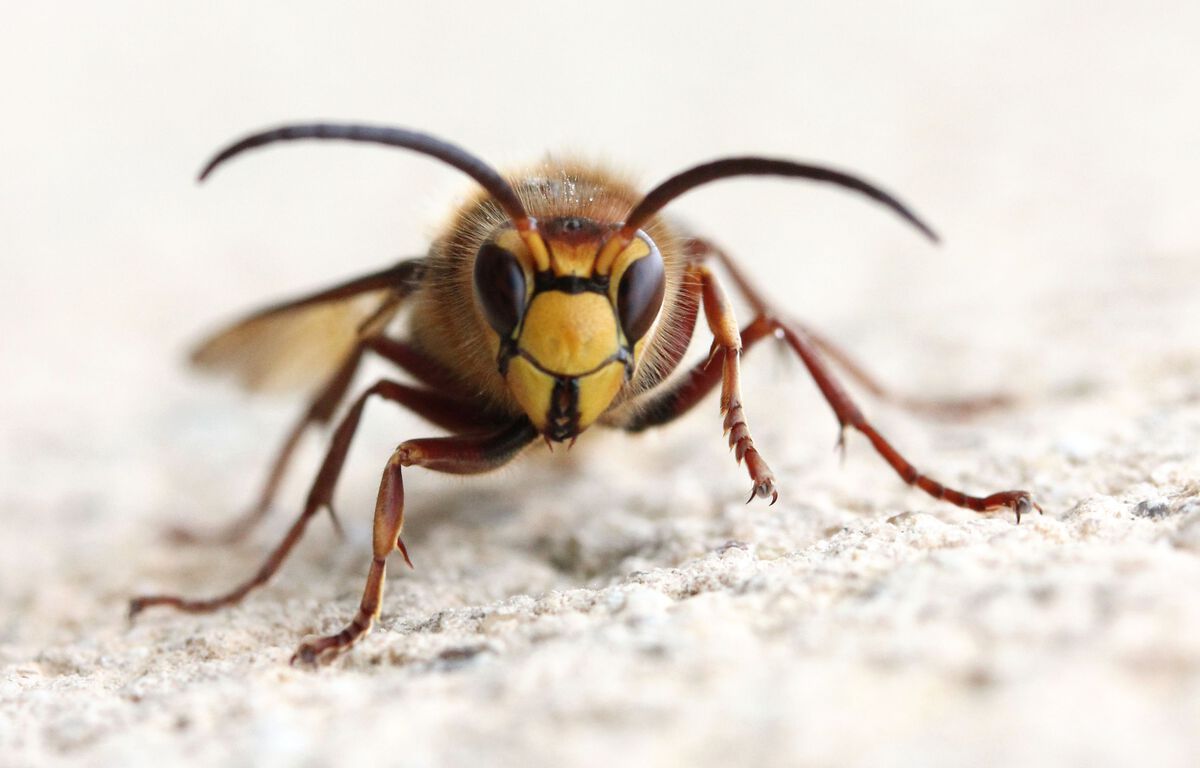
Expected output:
(727, 345)
(699, 250)
(674, 402)
(457, 455)
(439, 409)
(849, 415)
(320, 411)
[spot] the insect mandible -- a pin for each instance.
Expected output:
(554, 300)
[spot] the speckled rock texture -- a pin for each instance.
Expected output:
(617, 604)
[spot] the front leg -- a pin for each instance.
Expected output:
(727, 345)
(457, 455)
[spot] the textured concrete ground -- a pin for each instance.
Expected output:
(617, 604)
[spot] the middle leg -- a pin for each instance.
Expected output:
(442, 410)
(849, 415)
(319, 411)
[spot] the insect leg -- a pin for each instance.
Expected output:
(849, 415)
(727, 346)
(442, 410)
(671, 403)
(699, 250)
(457, 455)
(421, 367)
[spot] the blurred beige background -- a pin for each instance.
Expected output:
(619, 604)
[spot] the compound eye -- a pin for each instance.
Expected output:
(499, 288)
(640, 294)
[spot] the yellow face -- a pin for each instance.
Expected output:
(569, 337)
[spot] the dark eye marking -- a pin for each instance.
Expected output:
(499, 288)
(640, 294)
(548, 281)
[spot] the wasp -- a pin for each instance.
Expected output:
(555, 299)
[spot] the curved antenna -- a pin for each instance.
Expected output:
(728, 167)
(448, 153)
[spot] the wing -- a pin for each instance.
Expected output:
(297, 344)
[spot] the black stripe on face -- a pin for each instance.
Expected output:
(548, 281)
(562, 419)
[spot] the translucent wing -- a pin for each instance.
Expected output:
(298, 344)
